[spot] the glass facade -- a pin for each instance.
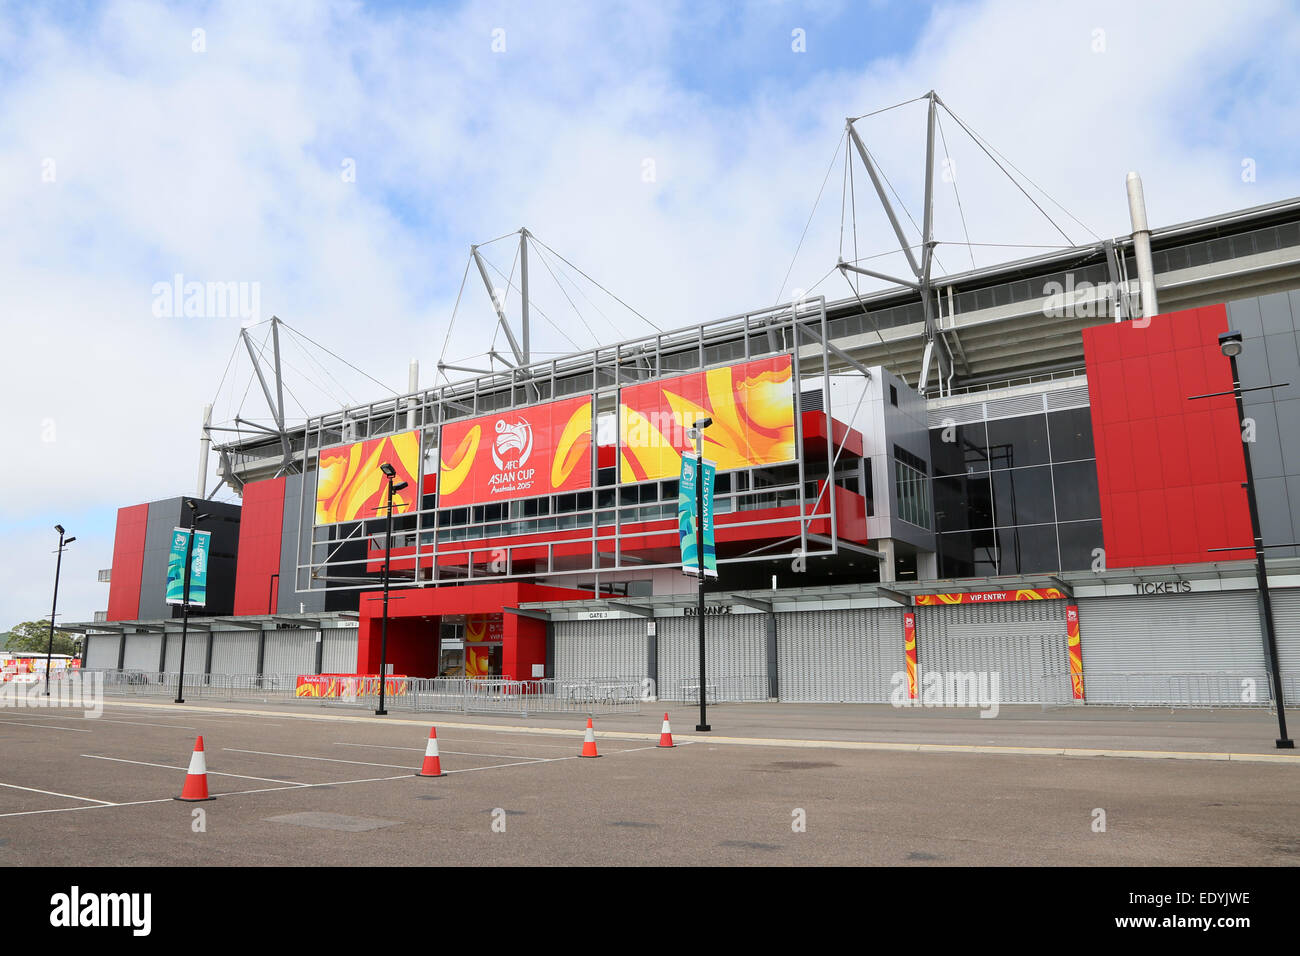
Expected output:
(1016, 495)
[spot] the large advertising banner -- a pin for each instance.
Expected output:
(526, 453)
(350, 486)
(198, 567)
(751, 404)
(686, 519)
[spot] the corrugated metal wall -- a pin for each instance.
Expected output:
(101, 651)
(340, 654)
(735, 652)
(1158, 635)
(234, 652)
(611, 648)
(1020, 641)
(1286, 625)
(196, 653)
(142, 652)
(847, 656)
(290, 652)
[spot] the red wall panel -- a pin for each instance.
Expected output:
(1169, 470)
(128, 563)
(261, 524)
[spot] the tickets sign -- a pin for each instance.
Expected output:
(526, 453)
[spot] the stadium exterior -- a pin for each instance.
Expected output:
(1012, 478)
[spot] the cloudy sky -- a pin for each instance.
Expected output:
(339, 159)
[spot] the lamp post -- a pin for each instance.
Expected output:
(390, 473)
(195, 518)
(1230, 344)
(700, 425)
(58, 566)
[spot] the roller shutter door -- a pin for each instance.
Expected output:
(1146, 649)
(196, 654)
(101, 652)
(1286, 625)
(845, 656)
(290, 652)
(601, 649)
(735, 652)
(142, 652)
(1021, 642)
(234, 652)
(340, 653)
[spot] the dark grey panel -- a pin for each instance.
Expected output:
(1266, 451)
(1283, 365)
(163, 517)
(1243, 316)
(1275, 312)
(296, 516)
(1274, 514)
(1288, 426)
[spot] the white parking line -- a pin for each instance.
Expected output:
(19, 723)
(211, 773)
(361, 763)
(133, 723)
(458, 753)
(532, 762)
(133, 803)
(51, 793)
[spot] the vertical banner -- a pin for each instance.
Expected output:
(909, 647)
(1074, 641)
(686, 517)
(198, 567)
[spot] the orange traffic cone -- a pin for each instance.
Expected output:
(432, 766)
(196, 778)
(666, 735)
(589, 742)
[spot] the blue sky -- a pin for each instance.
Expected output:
(128, 156)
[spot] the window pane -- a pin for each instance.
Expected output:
(963, 502)
(1076, 491)
(1027, 550)
(1078, 539)
(1071, 432)
(1016, 442)
(1023, 496)
(966, 453)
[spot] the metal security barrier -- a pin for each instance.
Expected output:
(1191, 689)
(593, 697)
(732, 689)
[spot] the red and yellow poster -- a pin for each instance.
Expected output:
(348, 685)
(909, 645)
(350, 486)
(1074, 641)
(989, 597)
(525, 453)
(752, 407)
(482, 631)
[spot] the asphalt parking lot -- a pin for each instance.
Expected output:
(311, 786)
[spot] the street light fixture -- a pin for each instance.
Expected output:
(195, 518)
(1231, 345)
(390, 473)
(700, 425)
(58, 566)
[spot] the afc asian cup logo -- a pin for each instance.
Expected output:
(514, 443)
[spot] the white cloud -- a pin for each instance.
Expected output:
(225, 165)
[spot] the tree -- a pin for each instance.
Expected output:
(33, 637)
